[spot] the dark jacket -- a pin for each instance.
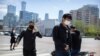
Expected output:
(61, 37)
(76, 40)
(12, 34)
(28, 39)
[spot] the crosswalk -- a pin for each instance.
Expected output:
(5, 51)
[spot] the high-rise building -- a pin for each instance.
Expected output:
(10, 18)
(45, 27)
(46, 16)
(89, 14)
(1, 25)
(26, 16)
(23, 6)
(74, 16)
(11, 9)
(35, 17)
(60, 15)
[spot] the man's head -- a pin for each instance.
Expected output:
(73, 28)
(66, 19)
(31, 25)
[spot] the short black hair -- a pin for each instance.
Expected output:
(67, 16)
(31, 22)
(72, 27)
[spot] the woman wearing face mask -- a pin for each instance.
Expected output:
(61, 36)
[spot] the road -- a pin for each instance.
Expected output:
(45, 45)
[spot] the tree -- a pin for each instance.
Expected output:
(98, 30)
(90, 29)
(79, 25)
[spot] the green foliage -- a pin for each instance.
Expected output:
(79, 25)
(88, 30)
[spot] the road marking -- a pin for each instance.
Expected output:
(11, 54)
(18, 51)
(5, 48)
(44, 54)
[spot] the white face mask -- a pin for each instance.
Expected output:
(67, 22)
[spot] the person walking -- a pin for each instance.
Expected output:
(12, 40)
(61, 36)
(29, 37)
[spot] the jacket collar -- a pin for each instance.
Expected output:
(65, 28)
(29, 30)
(61, 25)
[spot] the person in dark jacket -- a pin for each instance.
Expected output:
(76, 41)
(61, 36)
(12, 40)
(29, 37)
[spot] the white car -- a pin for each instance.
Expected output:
(7, 33)
(1, 33)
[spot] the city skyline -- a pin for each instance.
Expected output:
(51, 7)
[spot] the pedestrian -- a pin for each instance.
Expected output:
(76, 41)
(12, 40)
(29, 36)
(61, 36)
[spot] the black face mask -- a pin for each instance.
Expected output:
(31, 27)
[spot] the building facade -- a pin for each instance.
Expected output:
(46, 26)
(46, 16)
(1, 25)
(89, 14)
(10, 18)
(60, 15)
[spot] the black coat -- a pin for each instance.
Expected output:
(61, 37)
(12, 34)
(28, 39)
(76, 40)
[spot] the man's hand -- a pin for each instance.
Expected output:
(35, 29)
(67, 47)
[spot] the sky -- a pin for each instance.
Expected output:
(51, 7)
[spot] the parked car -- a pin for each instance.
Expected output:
(7, 33)
(97, 37)
(1, 33)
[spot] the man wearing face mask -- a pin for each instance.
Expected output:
(61, 36)
(29, 37)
